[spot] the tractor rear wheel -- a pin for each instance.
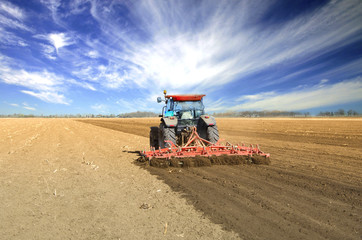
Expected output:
(212, 134)
(166, 134)
(202, 130)
(154, 137)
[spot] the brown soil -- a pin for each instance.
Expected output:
(64, 179)
(311, 190)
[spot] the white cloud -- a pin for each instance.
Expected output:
(110, 76)
(24, 105)
(13, 23)
(7, 38)
(82, 84)
(316, 96)
(48, 51)
(10, 39)
(93, 54)
(324, 81)
(215, 106)
(44, 85)
(12, 17)
(52, 5)
(12, 10)
(30, 108)
(51, 97)
(255, 96)
(42, 81)
(59, 40)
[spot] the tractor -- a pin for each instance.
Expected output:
(180, 115)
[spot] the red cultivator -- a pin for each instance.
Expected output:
(197, 146)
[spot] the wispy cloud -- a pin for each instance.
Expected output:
(12, 10)
(43, 85)
(51, 97)
(256, 97)
(85, 85)
(12, 23)
(320, 95)
(12, 17)
(223, 47)
(10, 39)
(48, 51)
(29, 108)
(23, 105)
(43, 81)
(52, 5)
(111, 76)
(93, 54)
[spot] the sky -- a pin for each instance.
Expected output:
(112, 57)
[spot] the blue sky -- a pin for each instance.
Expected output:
(89, 56)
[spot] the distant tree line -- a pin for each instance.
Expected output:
(247, 114)
(262, 114)
(137, 114)
(340, 112)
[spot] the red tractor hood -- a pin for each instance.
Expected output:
(188, 97)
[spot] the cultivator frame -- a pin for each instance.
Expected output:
(197, 146)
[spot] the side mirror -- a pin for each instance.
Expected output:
(159, 99)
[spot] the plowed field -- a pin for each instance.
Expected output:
(64, 178)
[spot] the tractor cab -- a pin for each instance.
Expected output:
(180, 115)
(186, 108)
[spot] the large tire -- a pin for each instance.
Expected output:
(166, 134)
(212, 134)
(154, 137)
(202, 129)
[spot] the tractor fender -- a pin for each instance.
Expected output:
(170, 121)
(208, 120)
